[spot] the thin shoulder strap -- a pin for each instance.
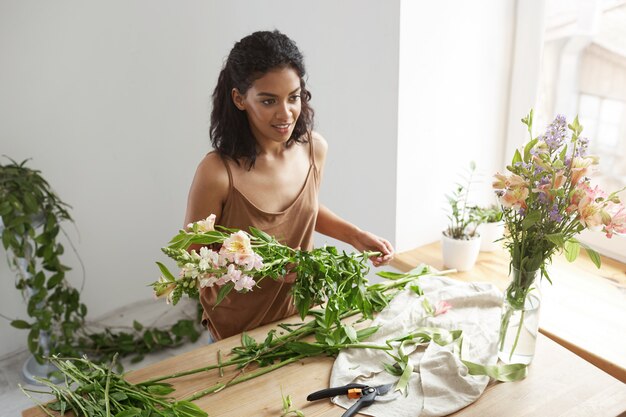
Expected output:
(312, 150)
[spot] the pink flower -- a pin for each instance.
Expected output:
(207, 281)
(251, 261)
(617, 219)
(580, 168)
(442, 307)
(206, 225)
(245, 283)
(237, 248)
(589, 213)
(503, 182)
(515, 198)
(232, 274)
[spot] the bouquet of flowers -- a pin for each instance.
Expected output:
(237, 260)
(547, 199)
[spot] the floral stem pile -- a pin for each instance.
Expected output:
(237, 260)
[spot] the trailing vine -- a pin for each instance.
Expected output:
(32, 215)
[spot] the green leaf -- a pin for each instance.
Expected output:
(394, 369)
(39, 279)
(260, 234)
(129, 412)
(530, 220)
(517, 157)
(20, 324)
(350, 332)
(118, 396)
(54, 280)
(572, 249)
(247, 341)
(403, 382)
(527, 149)
(166, 273)
(391, 275)
(224, 292)
(303, 305)
(594, 256)
(137, 326)
(367, 332)
(557, 238)
(189, 409)
(417, 289)
(160, 389)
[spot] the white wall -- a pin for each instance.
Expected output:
(112, 99)
(455, 62)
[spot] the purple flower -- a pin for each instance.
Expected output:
(555, 132)
(542, 198)
(581, 149)
(521, 212)
(554, 214)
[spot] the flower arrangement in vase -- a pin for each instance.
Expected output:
(547, 199)
(460, 241)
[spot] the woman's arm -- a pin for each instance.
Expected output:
(208, 191)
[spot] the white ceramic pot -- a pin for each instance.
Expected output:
(460, 254)
(489, 234)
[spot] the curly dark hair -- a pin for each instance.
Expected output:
(250, 59)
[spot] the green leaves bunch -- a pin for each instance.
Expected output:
(323, 275)
(97, 391)
(32, 216)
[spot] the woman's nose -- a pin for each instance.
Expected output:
(284, 111)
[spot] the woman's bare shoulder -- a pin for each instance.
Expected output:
(319, 145)
(212, 174)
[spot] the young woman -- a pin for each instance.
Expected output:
(265, 171)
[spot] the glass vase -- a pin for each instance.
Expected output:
(520, 318)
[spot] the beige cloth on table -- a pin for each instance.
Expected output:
(439, 384)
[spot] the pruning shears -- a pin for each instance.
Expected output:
(365, 393)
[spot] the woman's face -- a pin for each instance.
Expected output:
(272, 105)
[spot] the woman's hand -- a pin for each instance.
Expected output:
(366, 241)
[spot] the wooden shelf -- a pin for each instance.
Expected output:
(584, 310)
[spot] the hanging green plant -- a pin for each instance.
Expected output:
(32, 215)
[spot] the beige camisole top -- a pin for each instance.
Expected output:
(293, 226)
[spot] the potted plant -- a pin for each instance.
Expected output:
(460, 240)
(490, 226)
(31, 218)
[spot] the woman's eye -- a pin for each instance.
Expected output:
(268, 101)
(295, 98)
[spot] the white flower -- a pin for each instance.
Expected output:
(245, 283)
(207, 281)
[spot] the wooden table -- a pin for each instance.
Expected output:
(559, 384)
(584, 310)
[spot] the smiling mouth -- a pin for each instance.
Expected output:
(282, 126)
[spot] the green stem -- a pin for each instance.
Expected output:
(193, 371)
(519, 330)
(243, 378)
